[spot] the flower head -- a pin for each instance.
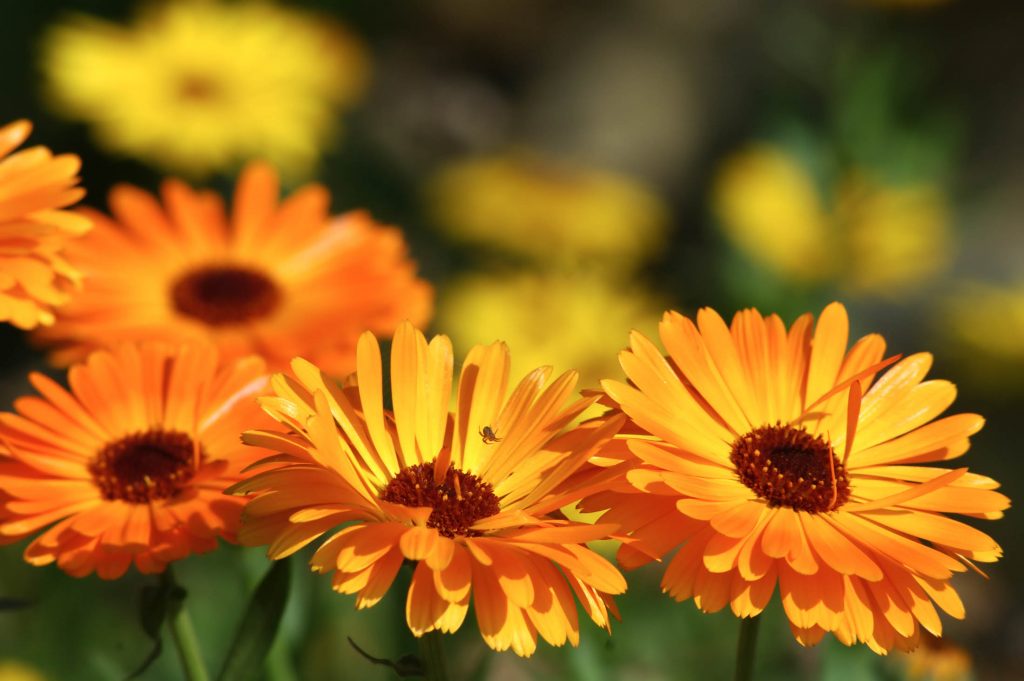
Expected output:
(34, 186)
(777, 458)
(987, 336)
(274, 278)
(470, 497)
(524, 308)
(195, 87)
(130, 464)
(550, 210)
(870, 237)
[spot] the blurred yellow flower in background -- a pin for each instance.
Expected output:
(937, 659)
(868, 237)
(34, 186)
(547, 209)
(195, 87)
(547, 319)
(991, 319)
(12, 670)
(894, 236)
(988, 337)
(769, 208)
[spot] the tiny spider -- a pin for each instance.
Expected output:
(489, 436)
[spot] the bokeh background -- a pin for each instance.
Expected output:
(564, 172)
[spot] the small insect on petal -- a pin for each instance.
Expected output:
(489, 436)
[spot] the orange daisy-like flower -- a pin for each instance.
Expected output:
(34, 186)
(129, 466)
(775, 458)
(274, 279)
(471, 497)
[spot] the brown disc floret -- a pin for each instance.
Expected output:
(458, 502)
(146, 466)
(225, 294)
(787, 466)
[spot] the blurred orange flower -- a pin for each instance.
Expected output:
(34, 186)
(129, 466)
(777, 458)
(274, 279)
(472, 498)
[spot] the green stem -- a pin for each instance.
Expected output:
(187, 643)
(432, 654)
(745, 649)
(279, 665)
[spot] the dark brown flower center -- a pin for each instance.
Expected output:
(225, 294)
(196, 87)
(459, 501)
(788, 466)
(143, 467)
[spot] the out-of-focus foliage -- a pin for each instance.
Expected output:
(907, 4)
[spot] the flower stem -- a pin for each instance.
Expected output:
(185, 640)
(279, 665)
(745, 649)
(432, 654)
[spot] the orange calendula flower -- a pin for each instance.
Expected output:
(777, 458)
(278, 279)
(471, 497)
(34, 186)
(129, 466)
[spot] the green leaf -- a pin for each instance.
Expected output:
(259, 626)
